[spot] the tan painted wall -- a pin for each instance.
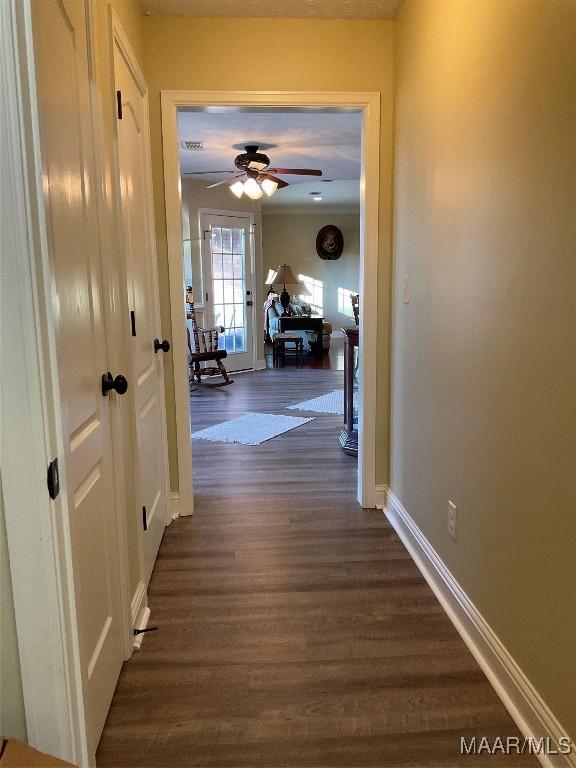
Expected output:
(130, 17)
(484, 386)
(12, 720)
(212, 53)
(291, 239)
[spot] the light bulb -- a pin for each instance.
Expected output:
(252, 189)
(269, 186)
(237, 188)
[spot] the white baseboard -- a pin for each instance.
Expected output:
(381, 496)
(529, 711)
(142, 624)
(260, 365)
(175, 513)
(138, 604)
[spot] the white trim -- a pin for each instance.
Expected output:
(381, 496)
(38, 530)
(525, 705)
(138, 604)
(369, 104)
(249, 216)
(176, 513)
(142, 624)
(260, 365)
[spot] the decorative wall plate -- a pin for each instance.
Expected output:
(329, 243)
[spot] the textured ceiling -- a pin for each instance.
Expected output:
(287, 9)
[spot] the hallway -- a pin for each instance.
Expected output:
(294, 629)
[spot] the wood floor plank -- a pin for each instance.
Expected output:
(295, 630)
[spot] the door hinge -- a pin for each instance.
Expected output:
(206, 297)
(144, 519)
(133, 322)
(53, 479)
(204, 233)
(119, 104)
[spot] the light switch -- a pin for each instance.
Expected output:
(406, 288)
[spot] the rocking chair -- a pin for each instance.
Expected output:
(205, 349)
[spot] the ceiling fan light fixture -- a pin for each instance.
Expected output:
(252, 189)
(237, 188)
(269, 186)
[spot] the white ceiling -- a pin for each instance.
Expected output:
(343, 196)
(328, 140)
(287, 9)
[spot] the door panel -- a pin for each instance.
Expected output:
(142, 282)
(228, 263)
(62, 72)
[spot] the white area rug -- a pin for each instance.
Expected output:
(333, 402)
(251, 429)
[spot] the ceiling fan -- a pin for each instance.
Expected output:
(259, 177)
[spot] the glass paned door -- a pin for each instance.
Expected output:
(229, 262)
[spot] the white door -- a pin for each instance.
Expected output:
(229, 296)
(62, 75)
(140, 264)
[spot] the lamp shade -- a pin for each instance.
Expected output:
(285, 276)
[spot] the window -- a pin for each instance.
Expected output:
(314, 293)
(345, 301)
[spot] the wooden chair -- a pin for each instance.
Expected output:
(355, 299)
(205, 349)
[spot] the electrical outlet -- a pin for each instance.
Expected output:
(452, 519)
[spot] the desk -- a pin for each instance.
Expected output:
(288, 323)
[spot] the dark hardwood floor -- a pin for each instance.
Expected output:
(295, 630)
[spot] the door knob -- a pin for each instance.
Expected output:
(249, 303)
(118, 384)
(161, 345)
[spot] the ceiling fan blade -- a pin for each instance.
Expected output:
(298, 171)
(224, 181)
(280, 182)
(203, 173)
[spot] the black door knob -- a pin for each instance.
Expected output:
(161, 345)
(118, 384)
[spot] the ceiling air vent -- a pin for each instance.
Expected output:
(193, 146)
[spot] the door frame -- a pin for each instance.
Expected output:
(37, 528)
(368, 103)
(251, 224)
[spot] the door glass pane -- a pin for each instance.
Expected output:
(228, 268)
(238, 263)
(217, 265)
(238, 240)
(238, 291)
(226, 240)
(216, 240)
(229, 286)
(218, 314)
(218, 292)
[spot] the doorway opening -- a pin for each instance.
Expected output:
(231, 246)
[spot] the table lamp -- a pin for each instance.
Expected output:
(285, 276)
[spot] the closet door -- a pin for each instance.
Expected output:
(142, 284)
(62, 75)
